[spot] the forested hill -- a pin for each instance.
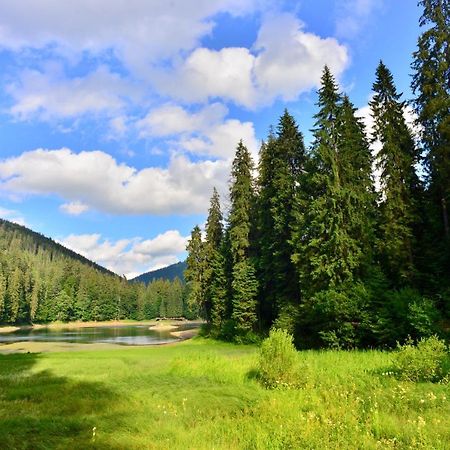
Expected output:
(167, 273)
(31, 241)
(42, 281)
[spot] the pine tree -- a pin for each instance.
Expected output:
(398, 180)
(2, 295)
(213, 258)
(326, 252)
(240, 225)
(281, 165)
(431, 85)
(194, 273)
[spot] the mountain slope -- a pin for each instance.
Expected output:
(168, 273)
(42, 281)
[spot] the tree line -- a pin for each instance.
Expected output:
(42, 281)
(317, 244)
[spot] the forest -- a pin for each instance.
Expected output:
(340, 245)
(41, 281)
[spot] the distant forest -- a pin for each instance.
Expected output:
(313, 244)
(42, 281)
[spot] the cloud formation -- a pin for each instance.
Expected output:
(96, 180)
(284, 62)
(206, 132)
(129, 256)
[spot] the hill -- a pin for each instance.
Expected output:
(43, 281)
(168, 273)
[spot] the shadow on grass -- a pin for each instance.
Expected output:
(39, 410)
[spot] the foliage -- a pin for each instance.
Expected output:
(278, 362)
(428, 360)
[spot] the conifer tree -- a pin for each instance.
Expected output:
(398, 180)
(2, 295)
(326, 251)
(214, 278)
(281, 165)
(194, 273)
(431, 85)
(240, 225)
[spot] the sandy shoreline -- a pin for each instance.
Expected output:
(43, 347)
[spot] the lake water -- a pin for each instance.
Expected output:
(121, 334)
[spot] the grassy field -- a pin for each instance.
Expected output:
(201, 395)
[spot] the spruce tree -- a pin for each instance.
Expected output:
(431, 85)
(214, 277)
(281, 165)
(240, 226)
(326, 252)
(398, 180)
(194, 273)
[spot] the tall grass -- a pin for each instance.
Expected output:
(202, 395)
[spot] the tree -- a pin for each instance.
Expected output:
(240, 225)
(398, 180)
(194, 273)
(431, 85)
(214, 294)
(282, 161)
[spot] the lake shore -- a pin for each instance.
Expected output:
(45, 347)
(153, 324)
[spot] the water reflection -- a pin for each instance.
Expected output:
(123, 335)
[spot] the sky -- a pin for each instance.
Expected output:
(118, 117)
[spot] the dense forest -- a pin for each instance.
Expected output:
(315, 242)
(42, 281)
(168, 273)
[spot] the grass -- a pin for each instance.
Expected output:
(201, 395)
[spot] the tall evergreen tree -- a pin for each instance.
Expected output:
(214, 278)
(194, 273)
(240, 226)
(398, 180)
(281, 165)
(327, 252)
(431, 85)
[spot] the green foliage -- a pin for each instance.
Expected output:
(279, 366)
(428, 360)
(396, 162)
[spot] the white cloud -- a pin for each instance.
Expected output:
(353, 16)
(129, 256)
(96, 179)
(74, 208)
(139, 32)
(284, 62)
(205, 132)
(52, 95)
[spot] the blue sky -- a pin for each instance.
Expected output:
(118, 117)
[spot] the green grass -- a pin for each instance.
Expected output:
(201, 395)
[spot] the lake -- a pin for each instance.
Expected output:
(117, 334)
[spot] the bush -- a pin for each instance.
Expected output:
(426, 361)
(278, 361)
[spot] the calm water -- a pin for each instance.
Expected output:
(124, 335)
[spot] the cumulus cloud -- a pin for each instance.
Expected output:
(205, 132)
(284, 62)
(51, 95)
(97, 180)
(129, 256)
(139, 32)
(74, 208)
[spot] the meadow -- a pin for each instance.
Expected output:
(203, 394)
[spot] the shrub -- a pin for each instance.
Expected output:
(426, 361)
(278, 361)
